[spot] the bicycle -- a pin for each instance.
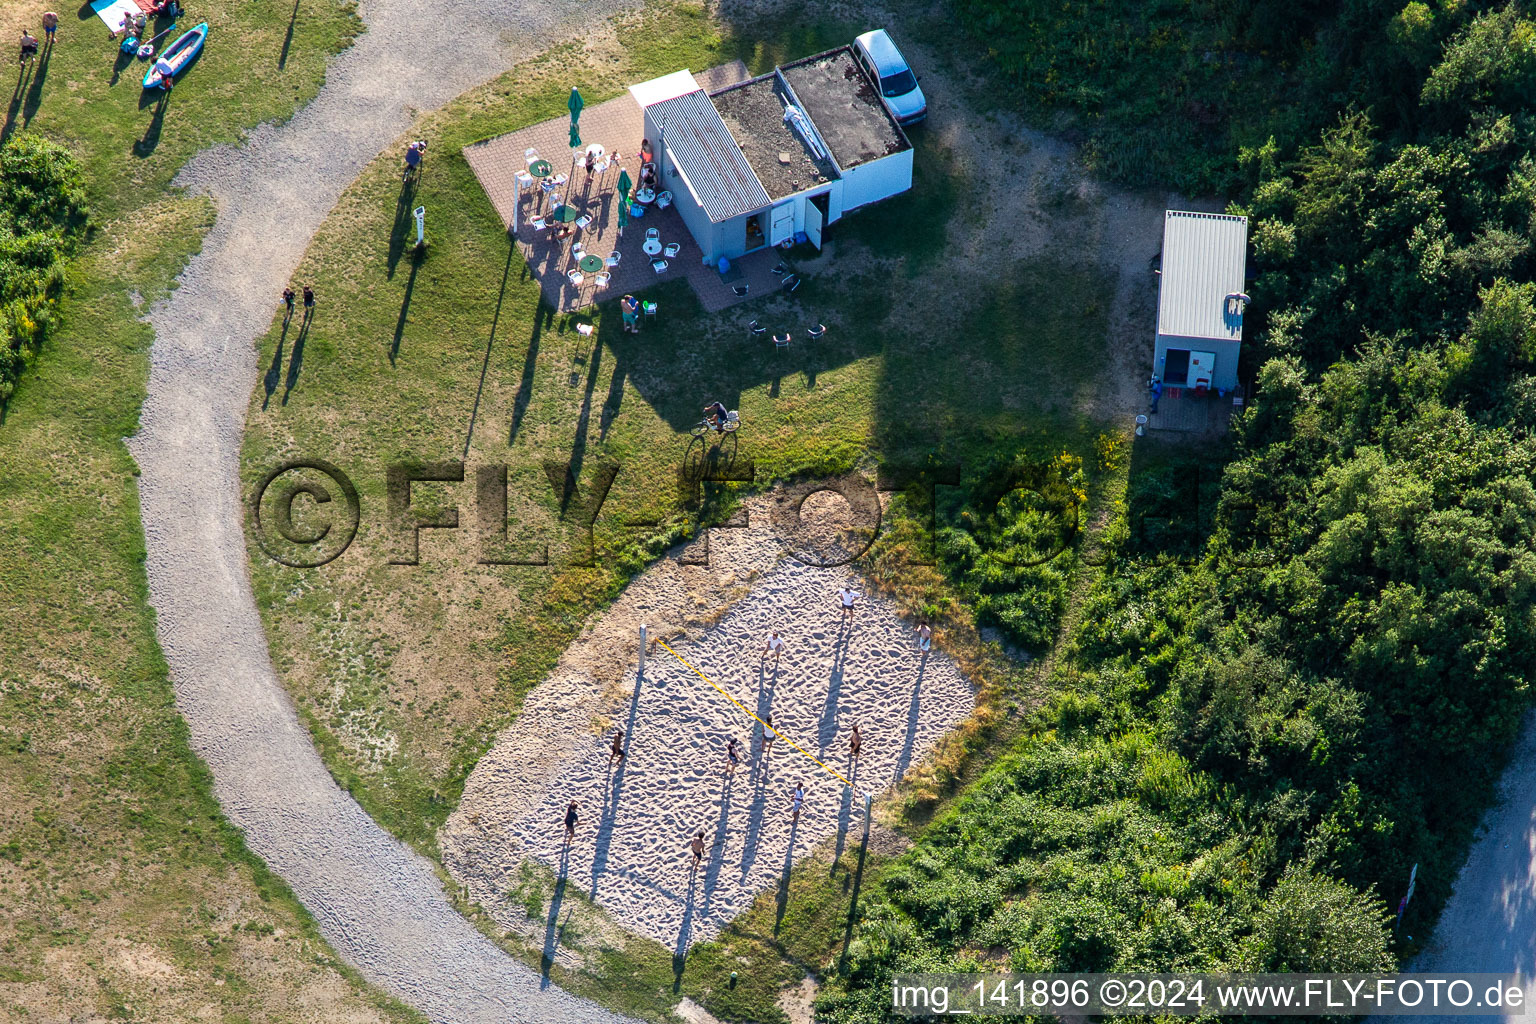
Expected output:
(730, 426)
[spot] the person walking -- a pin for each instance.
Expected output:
(698, 850)
(855, 742)
(570, 822)
(767, 741)
(848, 595)
(288, 297)
(50, 25)
(28, 47)
(630, 308)
(309, 302)
(774, 646)
(616, 752)
(796, 800)
(924, 635)
(732, 759)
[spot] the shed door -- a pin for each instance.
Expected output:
(1202, 367)
(814, 219)
(783, 225)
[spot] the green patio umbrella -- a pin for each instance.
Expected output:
(575, 104)
(624, 187)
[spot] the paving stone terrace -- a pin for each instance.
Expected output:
(618, 125)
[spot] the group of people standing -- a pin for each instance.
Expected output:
(29, 44)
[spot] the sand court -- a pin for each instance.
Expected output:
(639, 813)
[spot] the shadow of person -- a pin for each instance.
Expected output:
(913, 712)
(613, 789)
(717, 849)
(551, 932)
(20, 91)
(282, 58)
(35, 92)
(145, 146)
(122, 61)
(684, 935)
(401, 230)
(826, 728)
(296, 363)
(853, 900)
(275, 371)
(781, 900)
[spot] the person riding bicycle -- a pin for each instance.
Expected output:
(716, 415)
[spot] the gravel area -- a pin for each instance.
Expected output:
(380, 905)
(639, 813)
(1489, 923)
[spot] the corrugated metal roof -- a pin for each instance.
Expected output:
(1204, 257)
(697, 141)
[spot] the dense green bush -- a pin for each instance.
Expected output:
(1253, 742)
(1011, 552)
(42, 216)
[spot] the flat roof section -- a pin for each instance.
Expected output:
(844, 106)
(697, 141)
(783, 162)
(678, 83)
(1205, 256)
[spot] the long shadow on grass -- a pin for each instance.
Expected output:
(845, 810)
(275, 371)
(296, 363)
(405, 308)
(35, 92)
(542, 318)
(551, 932)
(118, 65)
(282, 58)
(684, 936)
(401, 229)
(853, 900)
(490, 340)
(145, 146)
(22, 74)
(781, 900)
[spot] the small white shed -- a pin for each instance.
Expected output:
(1200, 300)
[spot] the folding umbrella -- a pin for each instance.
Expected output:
(624, 187)
(574, 105)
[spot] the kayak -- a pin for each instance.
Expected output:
(176, 56)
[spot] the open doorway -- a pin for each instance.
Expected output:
(756, 238)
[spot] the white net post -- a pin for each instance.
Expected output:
(643, 645)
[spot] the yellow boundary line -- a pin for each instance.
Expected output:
(764, 724)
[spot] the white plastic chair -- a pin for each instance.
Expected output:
(583, 221)
(652, 234)
(538, 224)
(781, 341)
(576, 278)
(602, 166)
(663, 200)
(577, 249)
(560, 179)
(525, 180)
(672, 249)
(601, 279)
(547, 184)
(530, 155)
(660, 266)
(613, 258)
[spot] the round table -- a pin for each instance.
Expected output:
(564, 213)
(645, 196)
(652, 246)
(590, 264)
(540, 169)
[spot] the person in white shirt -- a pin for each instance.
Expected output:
(774, 646)
(848, 595)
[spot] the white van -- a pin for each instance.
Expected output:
(893, 75)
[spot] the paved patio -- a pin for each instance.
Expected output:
(1179, 409)
(617, 125)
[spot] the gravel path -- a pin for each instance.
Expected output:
(1489, 923)
(380, 905)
